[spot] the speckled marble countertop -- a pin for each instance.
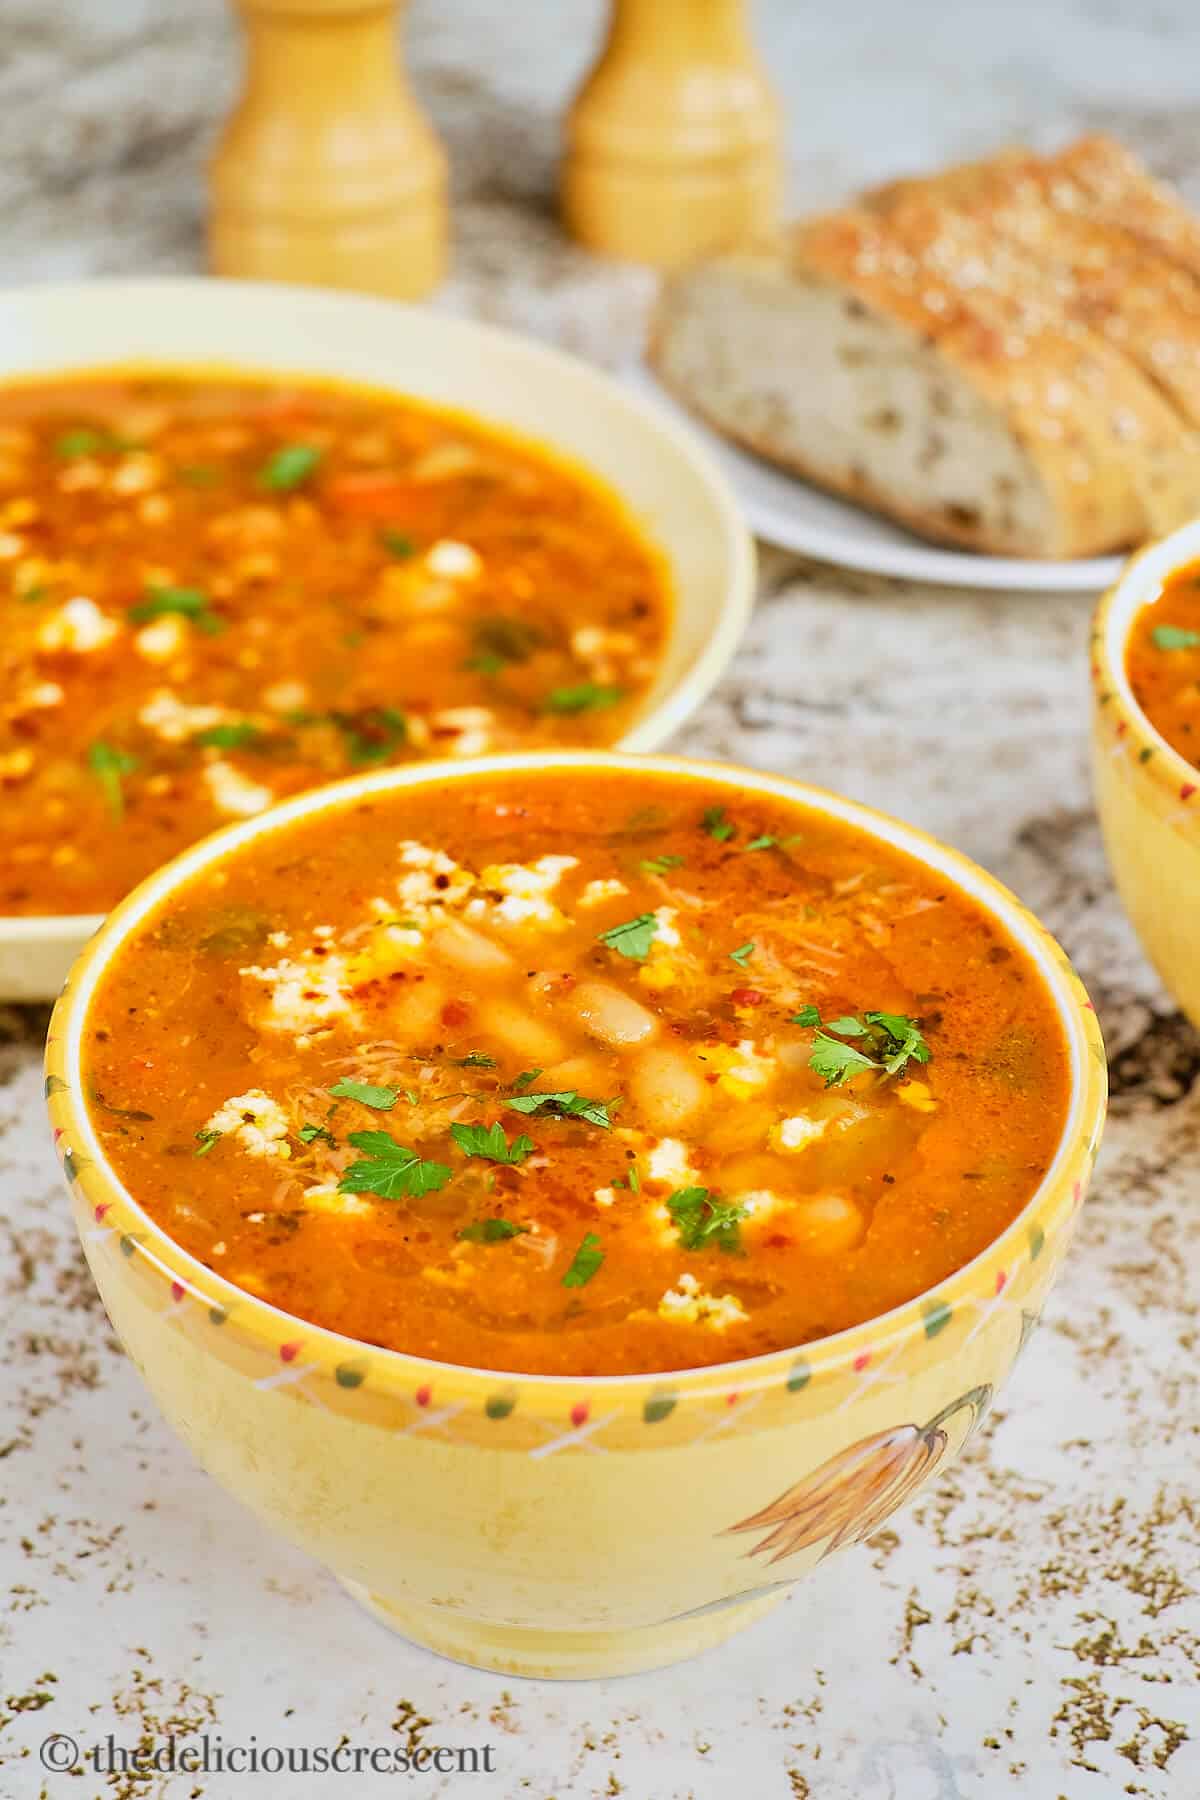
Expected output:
(1031, 1627)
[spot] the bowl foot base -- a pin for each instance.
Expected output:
(562, 1655)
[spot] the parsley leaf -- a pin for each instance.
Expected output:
(84, 442)
(390, 1169)
(373, 734)
(236, 736)
(808, 1015)
(585, 1263)
(189, 603)
(835, 1061)
(700, 1218)
(289, 467)
(381, 1098)
(525, 1079)
(764, 842)
(397, 543)
(567, 1105)
(658, 865)
(206, 1140)
(489, 1141)
(904, 1040)
(742, 954)
(1174, 637)
(308, 1134)
(491, 1231)
(110, 765)
(586, 697)
(476, 1060)
(499, 640)
(717, 824)
(633, 938)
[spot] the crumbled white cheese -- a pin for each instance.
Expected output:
(596, 892)
(691, 1304)
(758, 1203)
(741, 1068)
(668, 1161)
(233, 793)
(162, 638)
(421, 889)
(257, 1122)
(136, 474)
(174, 721)
(42, 695)
(666, 934)
(604, 1196)
(797, 1133)
(78, 626)
(10, 545)
(540, 877)
(302, 993)
(469, 729)
(285, 696)
(452, 561)
(327, 1197)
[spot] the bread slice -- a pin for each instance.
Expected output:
(888, 362)
(1105, 277)
(969, 353)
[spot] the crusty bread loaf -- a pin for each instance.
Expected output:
(960, 356)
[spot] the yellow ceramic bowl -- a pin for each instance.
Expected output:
(1147, 795)
(548, 1525)
(665, 481)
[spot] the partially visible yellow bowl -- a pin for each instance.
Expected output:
(1147, 795)
(666, 482)
(551, 1525)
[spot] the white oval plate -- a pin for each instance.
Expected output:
(784, 510)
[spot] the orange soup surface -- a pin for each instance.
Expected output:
(576, 1072)
(1162, 661)
(216, 591)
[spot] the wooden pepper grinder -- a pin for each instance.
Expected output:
(674, 140)
(327, 171)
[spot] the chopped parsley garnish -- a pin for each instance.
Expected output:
(366, 1093)
(84, 442)
(586, 697)
(476, 1059)
(567, 1105)
(110, 766)
(236, 736)
(390, 1169)
(373, 734)
(491, 1231)
(659, 865)
(585, 1263)
(397, 543)
(717, 824)
(742, 954)
(490, 1142)
(1174, 637)
(633, 938)
(764, 842)
(896, 1040)
(188, 603)
(500, 640)
(206, 1140)
(525, 1079)
(309, 1134)
(808, 1015)
(701, 1219)
(289, 467)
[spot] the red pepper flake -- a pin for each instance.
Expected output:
(455, 1012)
(777, 1241)
(747, 997)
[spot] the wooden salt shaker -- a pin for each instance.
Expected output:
(327, 171)
(674, 140)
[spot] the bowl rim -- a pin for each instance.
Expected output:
(1139, 582)
(652, 727)
(1050, 1208)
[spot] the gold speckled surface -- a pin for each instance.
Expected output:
(1032, 1628)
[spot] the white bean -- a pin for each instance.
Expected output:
(520, 1033)
(828, 1223)
(605, 1012)
(666, 1089)
(469, 949)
